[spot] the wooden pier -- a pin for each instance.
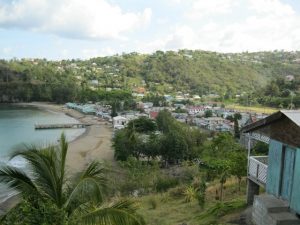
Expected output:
(60, 126)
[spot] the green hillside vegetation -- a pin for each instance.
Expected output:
(179, 175)
(194, 72)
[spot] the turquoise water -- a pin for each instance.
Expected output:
(17, 130)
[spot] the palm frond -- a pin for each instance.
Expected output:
(63, 155)
(17, 180)
(90, 185)
(120, 213)
(46, 168)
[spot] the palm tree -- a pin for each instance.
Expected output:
(80, 198)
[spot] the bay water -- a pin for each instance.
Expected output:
(17, 131)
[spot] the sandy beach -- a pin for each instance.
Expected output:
(94, 144)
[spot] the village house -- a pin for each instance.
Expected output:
(119, 122)
(179, 106)
(144, 105)
(213, 122)
(196, 97)
(168, 98)
(192, 110)
(179, 98)
(278, 172)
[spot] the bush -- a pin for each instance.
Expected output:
(190, 194)
(162, 184)
(138, 175)
(32, 211)
(189, 171)
(165, 197)
(152, 202)
(220, 209)
(177, 192)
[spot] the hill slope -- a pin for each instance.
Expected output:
(196, 72)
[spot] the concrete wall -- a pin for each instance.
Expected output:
(252, 190)
(260, 213)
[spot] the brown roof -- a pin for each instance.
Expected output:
(283, 126)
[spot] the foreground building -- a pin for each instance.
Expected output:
(278, 173)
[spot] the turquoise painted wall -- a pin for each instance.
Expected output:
(274, 167)
(295, 199)
(288, 173)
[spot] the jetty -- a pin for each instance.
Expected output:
(60, 126)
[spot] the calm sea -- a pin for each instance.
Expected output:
(17, 130)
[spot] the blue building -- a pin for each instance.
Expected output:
(278, 173)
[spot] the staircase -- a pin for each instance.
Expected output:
(268, 210)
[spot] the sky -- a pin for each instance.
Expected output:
(66, 29)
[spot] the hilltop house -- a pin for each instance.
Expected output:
(279, 172)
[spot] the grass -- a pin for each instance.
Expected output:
(172, 209)
(255, 109)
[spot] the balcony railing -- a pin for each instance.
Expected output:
(258, 168)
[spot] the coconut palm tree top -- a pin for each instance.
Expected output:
(80, 197)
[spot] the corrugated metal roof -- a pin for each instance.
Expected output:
(293, 115)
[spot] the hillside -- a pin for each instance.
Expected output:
(195, 72)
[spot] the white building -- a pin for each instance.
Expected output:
(119, 122)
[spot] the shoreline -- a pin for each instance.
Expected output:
(93, 144)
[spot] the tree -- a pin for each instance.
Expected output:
(238, 165)
(235, 118)
(260, 148)
(202, 192)
(173, 147)
(165, 121)
(225, 157)
(208, 113)
(142, 125)
(80, 199)
(222, 169)
(114, 110)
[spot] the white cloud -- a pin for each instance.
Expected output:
(201, 8)
(274, 7)
(268, 25)
(7, 50)
(94, 19)
(94, 52)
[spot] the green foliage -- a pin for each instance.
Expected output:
(114, 110)
(201, 193)
(165, 121)
(138, 176)
(208, 113)
(157, 100)
(219, 209)
(33, 211)
(163, 183)
(174, 142)
(198, 72)
(78, 199)
(142, 125)
(153, 203)
(178, 110)
(225, 157)
(260, 148)
(190, 194)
